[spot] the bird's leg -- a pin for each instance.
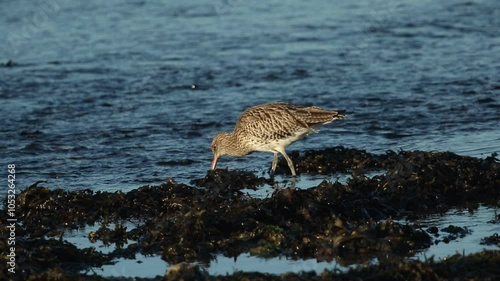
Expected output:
(289, 161)
(274, 163)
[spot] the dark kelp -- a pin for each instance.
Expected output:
(350, 222)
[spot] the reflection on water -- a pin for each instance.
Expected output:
(478, 223)
(303, 182)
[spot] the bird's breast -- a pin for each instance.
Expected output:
(271, 142)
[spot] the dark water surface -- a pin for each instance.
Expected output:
(113, 95)
(110, 95)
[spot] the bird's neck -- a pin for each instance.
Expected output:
(234, 146)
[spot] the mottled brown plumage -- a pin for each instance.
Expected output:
(271, 127)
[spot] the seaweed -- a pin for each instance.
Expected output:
(353, 222)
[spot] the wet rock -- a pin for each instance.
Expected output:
(351, 222)
(331, 160)
(118, 236)
(436, 178)
(9, 63)
(491, 240)
(50, 258)
(226, 181)
(433, 230)
(454, 232)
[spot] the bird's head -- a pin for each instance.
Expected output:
(219, 145)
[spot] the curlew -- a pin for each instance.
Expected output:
(271, 127)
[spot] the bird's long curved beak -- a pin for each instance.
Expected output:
(214, 162)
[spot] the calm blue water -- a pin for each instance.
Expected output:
(110, 95)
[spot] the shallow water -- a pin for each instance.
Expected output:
(113, 96)
(478, 223)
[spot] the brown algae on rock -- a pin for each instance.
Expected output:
(352, 222)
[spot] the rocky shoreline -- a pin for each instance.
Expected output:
(351, 223)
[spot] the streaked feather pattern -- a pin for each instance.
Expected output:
(271, 127)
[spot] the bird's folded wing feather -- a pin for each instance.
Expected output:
(269, 121)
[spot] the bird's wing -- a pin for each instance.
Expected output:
(270, 121)
(314, 115)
